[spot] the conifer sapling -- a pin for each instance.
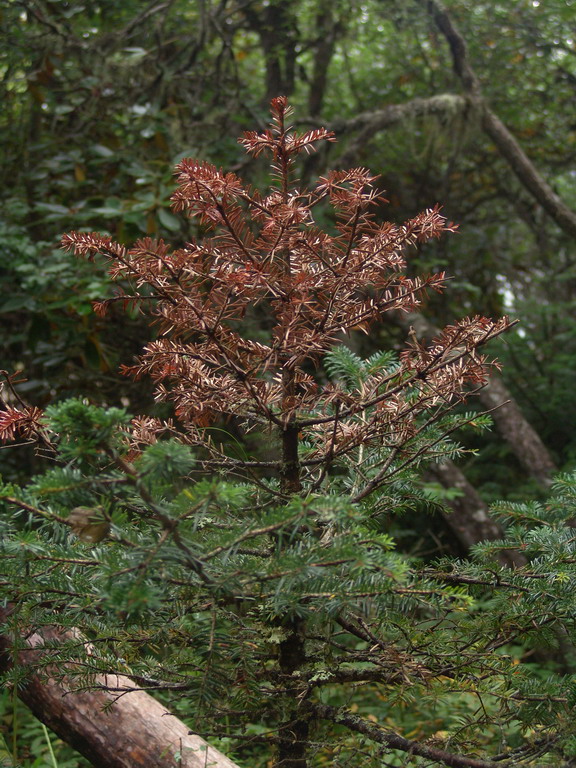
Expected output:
(267, 576)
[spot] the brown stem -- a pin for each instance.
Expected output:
(290, 470)
(290, 465)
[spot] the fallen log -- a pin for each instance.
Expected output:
(112, 723)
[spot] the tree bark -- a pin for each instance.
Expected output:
(518, 433)
(111, 729)
(470, 520)
(294, 734)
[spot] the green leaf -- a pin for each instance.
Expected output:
(168, 220)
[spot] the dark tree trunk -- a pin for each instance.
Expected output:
(294, 733)
(110, 729)
(293, 742)
(327, 30)
(275, 25)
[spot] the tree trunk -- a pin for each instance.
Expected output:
(293, 743)
(275, 24)
(110, 729)
(327, 30)
(519, 434)
(470, 520)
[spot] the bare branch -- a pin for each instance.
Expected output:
(394, 740)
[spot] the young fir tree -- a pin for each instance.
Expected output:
(259, 591)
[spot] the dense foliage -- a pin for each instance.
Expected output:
(264, 595)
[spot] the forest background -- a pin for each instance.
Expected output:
(101, 99)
